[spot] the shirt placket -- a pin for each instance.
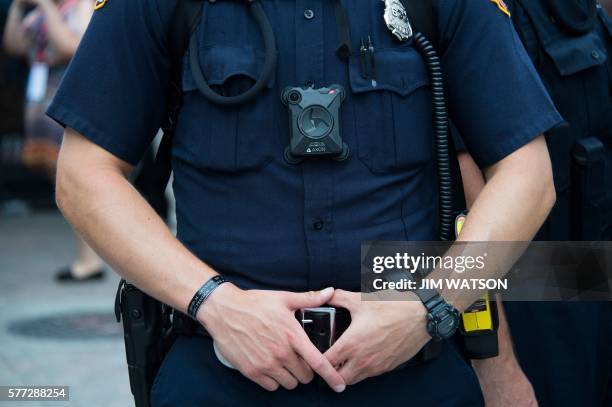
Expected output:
(317, 174)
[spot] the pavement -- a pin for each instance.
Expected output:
(52, 334)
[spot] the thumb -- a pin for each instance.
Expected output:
(345, 299)
(310, 299)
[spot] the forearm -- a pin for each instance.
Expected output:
(15, 41)
(510, 208)
(506, 349)
(112, 216)
(502, 380)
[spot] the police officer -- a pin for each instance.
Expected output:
(280, 232)
(565, 347)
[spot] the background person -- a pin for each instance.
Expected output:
(48, 32)
(565, 348)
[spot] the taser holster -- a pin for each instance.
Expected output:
(478, 329)
(479, 323)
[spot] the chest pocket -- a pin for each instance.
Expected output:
(393, 116)
(227, 139)
(569, 54)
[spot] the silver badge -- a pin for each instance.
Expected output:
(397, 19)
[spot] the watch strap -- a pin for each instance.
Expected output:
(427, 297)
(438, 311)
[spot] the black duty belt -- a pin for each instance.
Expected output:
(322, 325)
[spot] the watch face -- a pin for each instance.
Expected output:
(443, 323)
(448, 325)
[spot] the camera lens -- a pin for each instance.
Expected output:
(315, 122)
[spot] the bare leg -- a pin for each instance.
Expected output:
(88, 262)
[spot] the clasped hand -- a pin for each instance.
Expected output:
(382, 335)
(257, 332)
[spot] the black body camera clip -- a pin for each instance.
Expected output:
(315, 123)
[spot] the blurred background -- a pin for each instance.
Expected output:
(54, 330)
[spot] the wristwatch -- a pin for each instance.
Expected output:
(442, 318)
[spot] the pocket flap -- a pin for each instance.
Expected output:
(572, 55)
(400, 70)
(220, 63)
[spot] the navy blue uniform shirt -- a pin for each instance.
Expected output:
(240, 207)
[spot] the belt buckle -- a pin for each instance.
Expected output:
(331, 313)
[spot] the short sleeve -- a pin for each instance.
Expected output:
(113, 91)
(495, 96)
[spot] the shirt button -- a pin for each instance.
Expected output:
(308, 14)
(595, 55)
(318, 225)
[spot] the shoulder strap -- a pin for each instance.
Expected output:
(183, 23)
(423, 18)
